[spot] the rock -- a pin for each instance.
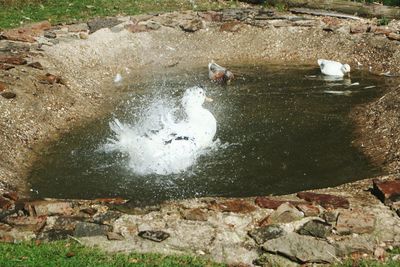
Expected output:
(156, 236)
(97, 24)
(8, 95)
(315, 228)
(330, 216)
(262, 234)
(211, 16)
(195, 215)
(381, 30)
(192, 25)
(11, 194)
(380, 253)
(269, 203)
(387, 191)
(27, 223)
(114, 201)
(14, 60)
(80, 27)
(359, 28)
(152, 25)
(5, 203)
(325, 200)
(236, 205)
(108, 217)
(36, 65)
(309, 209)
(304, 249)
(49, 78)
(42, 207)
(28, 33)
(285, 213)
(114, 236)
(83, 35)
(355, 221)
(2, 86)
(89, 211)
(232, 26)
(268, 259)
(90, 229)
(5, 67)
(136, 28)
(50, 35)
(393, 36)
(354, 244)
(5, 227)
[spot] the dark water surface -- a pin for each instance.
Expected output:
(287, 131)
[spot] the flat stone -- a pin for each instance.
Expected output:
(330, 216)
(361, 28)
(13, 60)
(27, 33)
(309, 209)
(354, 244)
(285, 213)
(90, 229)
(236, 205)
(108, 217)
(387, 191)
(11, 194)
(262, 234)
(97, 24)
(315, 228)
(211, 16)
(114, 236)
(50, 35)
(304, 249)
(325, 200)
(393, 36)
(354, 221)
(42, 207)
(156, 236)
(6, 67)
(5, 203)
(136, 28)
(55, 234)
(268, 259)
(192, 25)
(114, 201)
(27, 223)
(231, 26)
(194, 215)
(270, 203)
(8, 95)
(36, 65)
(153, 25)
(79, 27)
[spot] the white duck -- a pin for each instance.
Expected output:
(174, 146)
(333, 68)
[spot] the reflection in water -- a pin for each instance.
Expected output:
(281, 129)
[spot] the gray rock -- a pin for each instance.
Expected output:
(90, 229)
(50, 35)
(262, 234)
(8, 95)
(97, 24)
(108, 217)
(315, 228)
(152, 25)
(354, 221)
(81, 27)
(330, 216)
(354, 244)
(156, 236)
(194, 215)
(285, 213)
(268, 259)
(114, 236)
(304, 249)
(191, 25)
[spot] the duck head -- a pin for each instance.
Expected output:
(194, 97)
(345, 68)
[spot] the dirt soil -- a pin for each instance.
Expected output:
(83, 62)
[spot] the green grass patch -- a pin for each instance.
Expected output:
(64, 253)
(13, 13)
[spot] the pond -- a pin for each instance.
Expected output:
(280, 129)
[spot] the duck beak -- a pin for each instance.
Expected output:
(209, 99)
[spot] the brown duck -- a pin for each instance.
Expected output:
(219, 74)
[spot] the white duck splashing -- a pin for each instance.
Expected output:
(160, 143)
(333, 68)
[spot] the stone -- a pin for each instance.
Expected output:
(2, 86)
(354, 244)
(50, 35)
(11, 194)
(97, 24)
(5, 67)
(136, 28)
(304, 249)
(236, 205)
(89, 211)
(90, 229)
(330, 216)
(107, 218)
(381, 30)
(211, 16)
(27, 223)
(157, 236)
(262, 234)
(359, 28)
(152, 25)
(14, 60)
(83, 35)
(393, 36)
(114, 236)
(309, 209)
(268, 259)
(270, 203)
(350, 222)
(114, 201)
(387, 191)
(28, 33)
(325, 200)
(36, 65)
(49, 78)
(8, 95)
(42, 207)
(79, 27)
(192, 25)
(315, 228)
(194, 215)
(5, 203)
(55, 235)
(231, 26)
(285, 213)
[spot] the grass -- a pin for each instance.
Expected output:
(389, 262)
(64, 253)
(13, 13)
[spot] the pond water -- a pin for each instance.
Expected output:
(281, 129)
